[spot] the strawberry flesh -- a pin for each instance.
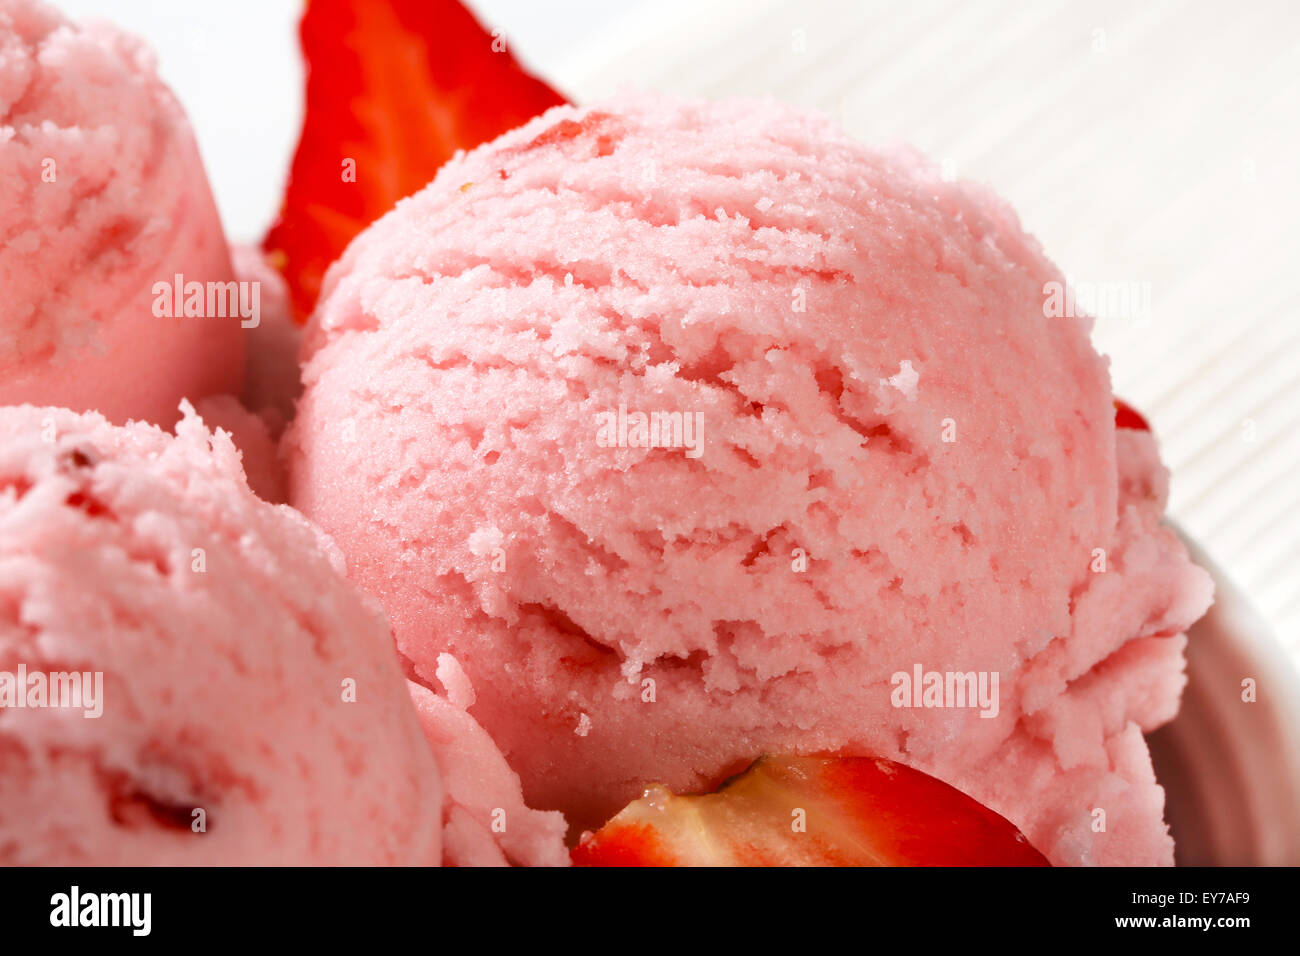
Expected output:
(811, 811)
(1126, 416)
(394, 89)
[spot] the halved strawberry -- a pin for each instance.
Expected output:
(395, 87)
(1126, 416)
(811, 811)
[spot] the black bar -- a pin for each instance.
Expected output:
(327, 906)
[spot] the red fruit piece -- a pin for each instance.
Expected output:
(811, 811)
(396, 87)
(1126, 416)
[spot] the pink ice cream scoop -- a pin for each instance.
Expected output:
(109, 228)
(698, 431)
(215, 691)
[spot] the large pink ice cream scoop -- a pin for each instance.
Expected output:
(117, 280)
(237, 700)
(698, 432)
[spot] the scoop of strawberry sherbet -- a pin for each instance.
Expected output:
(251, 709)
(884, 457)
(105, 200)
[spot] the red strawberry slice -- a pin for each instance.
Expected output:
(1126, 416)
(811, 811)
(394, 88)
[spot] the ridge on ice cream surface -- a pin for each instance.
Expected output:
(880, 393)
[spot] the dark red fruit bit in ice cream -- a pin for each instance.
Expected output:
(85, 501)
(811, 811)
(129, 805)
(394, 89)
(20, 485)
(76, 458)
(1126, 416)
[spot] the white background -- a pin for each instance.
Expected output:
(1155, 142)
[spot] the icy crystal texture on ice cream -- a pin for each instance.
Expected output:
(903, 463)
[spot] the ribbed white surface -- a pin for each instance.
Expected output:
(1154, 143)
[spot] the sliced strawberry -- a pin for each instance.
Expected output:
(811, 811)
(1126, 416)
(395, 86)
